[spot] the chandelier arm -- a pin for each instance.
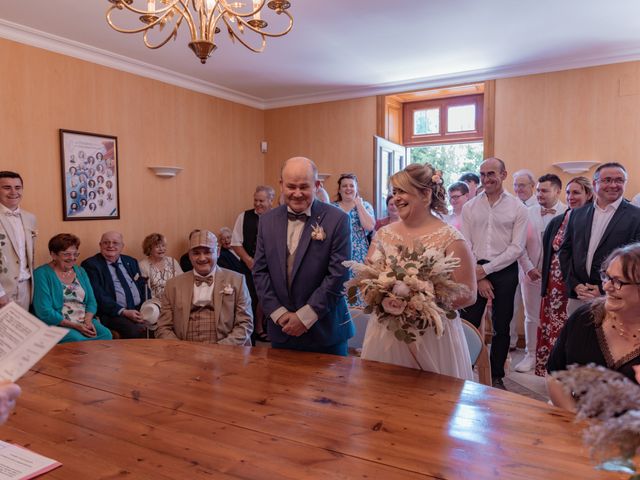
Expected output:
(213, 21)
(269, 34)
(185, 14)
(163, 13)
(174, 32)
(237, 37)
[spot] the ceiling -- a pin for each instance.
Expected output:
(351, 48)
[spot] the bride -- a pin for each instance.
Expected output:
(419, 194)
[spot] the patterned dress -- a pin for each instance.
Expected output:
(157, 276)
(553, 312)
(359, 242)
(73, 309)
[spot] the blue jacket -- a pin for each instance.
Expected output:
(48, 298)
(102, 283)
(318, 275)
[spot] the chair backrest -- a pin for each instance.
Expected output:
(474, 340)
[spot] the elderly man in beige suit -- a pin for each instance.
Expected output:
(17, 236)
(209, 304)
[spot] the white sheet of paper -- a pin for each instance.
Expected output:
(24, 340)
(17, 463)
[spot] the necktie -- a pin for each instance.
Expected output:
(125, 285)
(302, 217)
(201, 280)
(547, 211)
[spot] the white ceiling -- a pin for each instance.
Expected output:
(350, 48)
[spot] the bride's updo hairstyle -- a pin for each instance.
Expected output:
(425, 179)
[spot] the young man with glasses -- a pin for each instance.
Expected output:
(594, 231)
(458, 195)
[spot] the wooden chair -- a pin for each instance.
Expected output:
(478, 351)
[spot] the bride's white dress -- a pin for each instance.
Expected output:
(448, 354)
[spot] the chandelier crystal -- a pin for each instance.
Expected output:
(245, 22)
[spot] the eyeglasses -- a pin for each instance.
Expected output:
(616, 282)
(609, 180)
(455, 197)
(69, 254)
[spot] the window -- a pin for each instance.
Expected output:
(453, 159)
(444, 120)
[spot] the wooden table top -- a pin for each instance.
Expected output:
(163, 409)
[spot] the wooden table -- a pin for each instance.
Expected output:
(176, 410)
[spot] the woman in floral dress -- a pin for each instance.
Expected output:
(360, 213)
(553, 312)
(62, 293)
(156, 267)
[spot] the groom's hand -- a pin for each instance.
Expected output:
(291, 324)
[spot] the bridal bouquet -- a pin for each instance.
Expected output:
(409, 290)
(610, 402)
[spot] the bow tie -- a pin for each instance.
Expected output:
(201, 280)
(302, 217)
(12, 214)
(547, 211)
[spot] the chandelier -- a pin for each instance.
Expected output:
(244, 22)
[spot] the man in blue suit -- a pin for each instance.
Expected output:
(298, 270)
(118, 287)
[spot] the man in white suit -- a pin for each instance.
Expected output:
(208, 304)
(17, 236)
(549, 205)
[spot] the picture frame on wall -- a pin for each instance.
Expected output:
(90, 189)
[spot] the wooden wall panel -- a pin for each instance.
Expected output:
(216, 141)
(338, 136)
(582, 114)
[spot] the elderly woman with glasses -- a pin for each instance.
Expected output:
(62, 293)
(605, 331)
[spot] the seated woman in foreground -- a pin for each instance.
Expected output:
(607, 330)
(62, 293)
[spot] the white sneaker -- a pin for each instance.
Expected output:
(526, 364)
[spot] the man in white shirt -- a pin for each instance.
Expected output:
(208, 304)
(594, 231)
(17, 238)
(549, 205)
(523, 187)
(495, 225)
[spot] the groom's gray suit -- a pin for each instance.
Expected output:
(317, 276)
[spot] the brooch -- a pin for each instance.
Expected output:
(317, 232)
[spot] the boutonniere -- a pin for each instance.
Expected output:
(317, 232)
(227, 290)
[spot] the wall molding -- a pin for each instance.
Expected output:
(26, 35)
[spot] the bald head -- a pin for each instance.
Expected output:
(111, 244)
(298, 164)
(492, 174)
(299, 183)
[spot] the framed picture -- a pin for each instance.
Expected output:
(89, 176)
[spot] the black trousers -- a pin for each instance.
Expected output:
(505, 283)
(125, 327)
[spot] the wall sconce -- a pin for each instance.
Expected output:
(166, 171)
(576, 167)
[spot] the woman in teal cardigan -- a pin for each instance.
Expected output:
(62, 293)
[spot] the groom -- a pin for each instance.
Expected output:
(298, 269)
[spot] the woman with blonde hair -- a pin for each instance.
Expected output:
(419, 196)
(156, 266)
(553, 312)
